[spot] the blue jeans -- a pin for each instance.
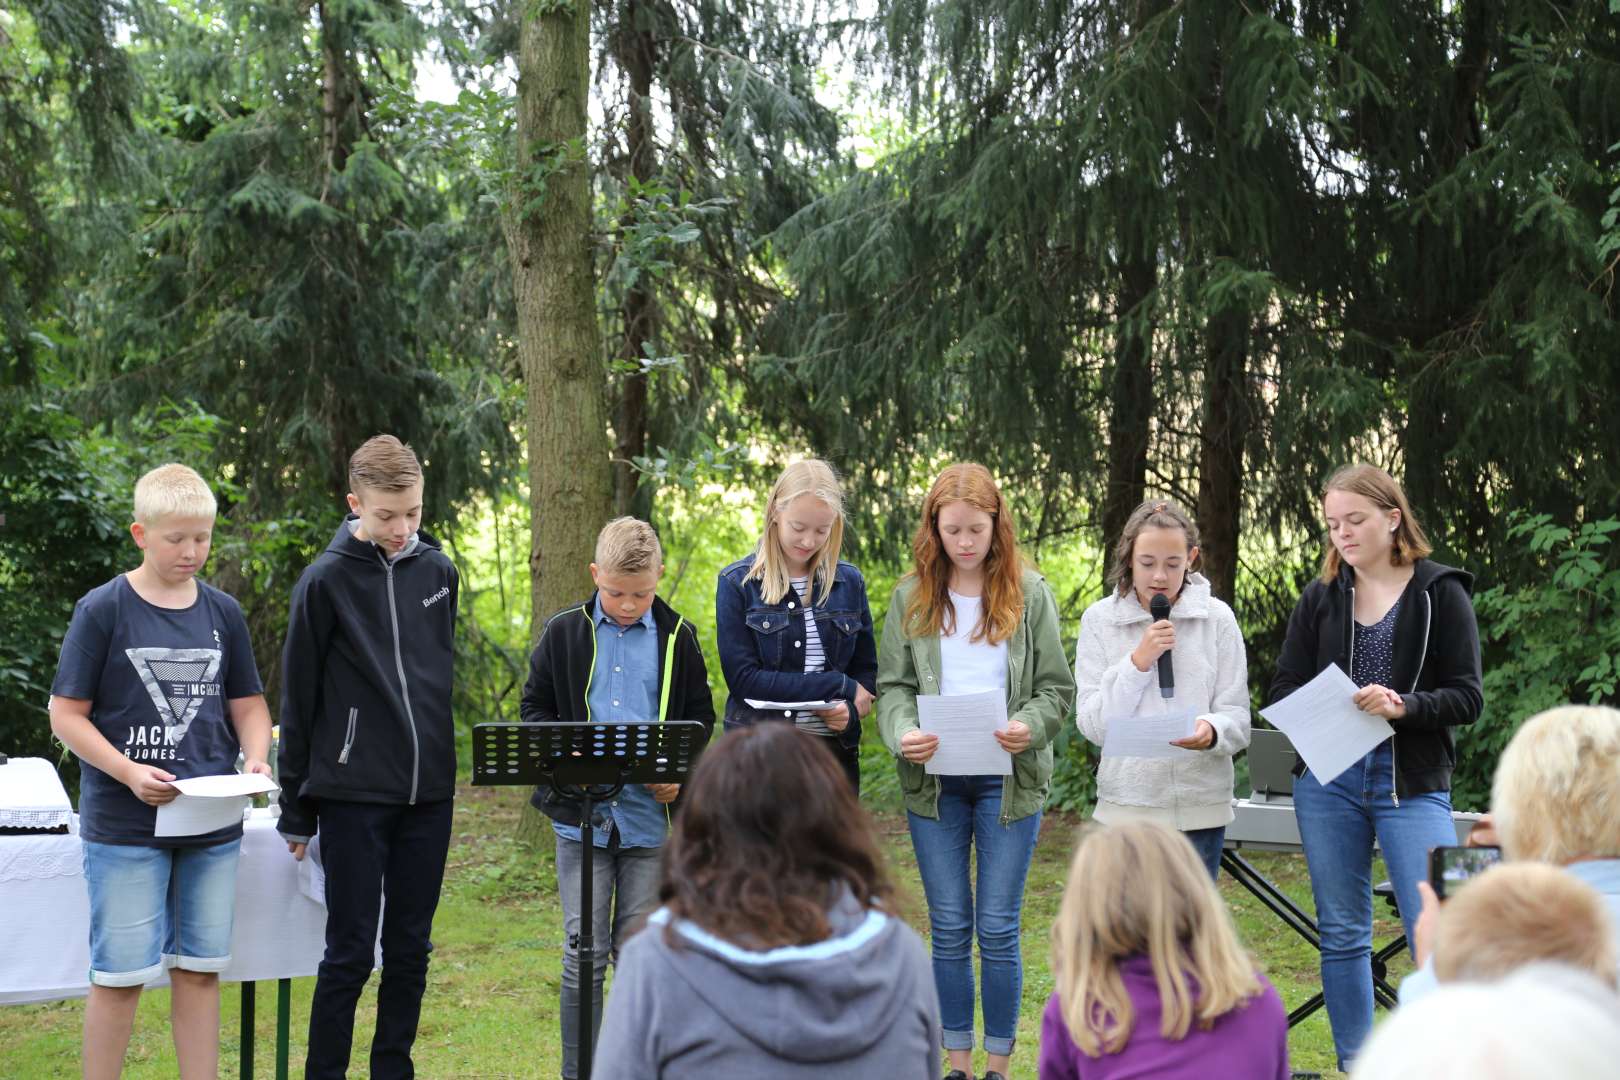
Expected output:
(624, 891)
(1337, 824)
(157, 907)
(1208, 844)
(969, 818)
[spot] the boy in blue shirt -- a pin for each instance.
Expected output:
(157, 683)
(620, 656)
(368, 753)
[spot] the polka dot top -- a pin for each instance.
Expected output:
(1374, 659)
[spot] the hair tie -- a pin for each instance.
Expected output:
(1159, 508)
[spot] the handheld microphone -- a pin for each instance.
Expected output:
(1160, 609)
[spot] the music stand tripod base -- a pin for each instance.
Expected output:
(587, 762)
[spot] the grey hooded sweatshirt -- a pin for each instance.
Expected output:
(859, 1004)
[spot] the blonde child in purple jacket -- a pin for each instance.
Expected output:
(1151, 979)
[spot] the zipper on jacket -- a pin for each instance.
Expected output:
(1394, 768)
(663, 693)
(1350, 631)
(404, 690)
(348, 737)
(1423, 658)
(1006, 784)
(590, 676)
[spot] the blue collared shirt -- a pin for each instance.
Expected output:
(624, 687)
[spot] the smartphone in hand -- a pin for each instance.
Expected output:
(1450, 866)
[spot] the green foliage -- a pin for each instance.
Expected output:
(291, 261)
(1550, 636)
(1401, 218)
(656, 221)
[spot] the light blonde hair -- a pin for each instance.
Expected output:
(172, 491)
(1517, 914)
(383, 463)
(1379, 488)
(815, 478)
(628, 545)
(929, 611)
(1153, 514)
(1543, 1022)
(1140, 889)
(1556, 795)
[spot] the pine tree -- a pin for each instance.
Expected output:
(1212, 250)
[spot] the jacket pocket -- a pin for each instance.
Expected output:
(838, 630)
(348, 737)
(766, 621)
(913, 777)
(845, 622)
(1030, 774)
(767, 625)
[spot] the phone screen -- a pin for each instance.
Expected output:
(1451, 867)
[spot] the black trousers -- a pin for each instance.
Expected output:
(849, 757)
(369, 851)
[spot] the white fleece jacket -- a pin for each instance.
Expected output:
(1212, 677)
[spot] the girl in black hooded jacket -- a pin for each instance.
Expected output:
(1402, 627)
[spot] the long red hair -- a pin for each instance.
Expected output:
(928, 611)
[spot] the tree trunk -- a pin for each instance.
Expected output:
(1130, 411)
(635, 45)
(1130, 393)
(339, 107)
(548, 227)
(1227, 418)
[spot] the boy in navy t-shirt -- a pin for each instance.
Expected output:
(157, 683)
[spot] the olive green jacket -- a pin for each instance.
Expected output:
(1040, 692)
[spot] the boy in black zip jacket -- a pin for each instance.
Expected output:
(622, 655)
(367, 757)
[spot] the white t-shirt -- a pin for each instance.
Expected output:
(970, 667)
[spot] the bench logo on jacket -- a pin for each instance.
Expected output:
(178, 681)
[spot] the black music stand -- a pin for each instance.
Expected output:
(586, 763)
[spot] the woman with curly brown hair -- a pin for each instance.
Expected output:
(777, 951)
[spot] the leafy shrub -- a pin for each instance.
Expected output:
(1550, 633)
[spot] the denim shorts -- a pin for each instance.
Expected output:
(153, 908)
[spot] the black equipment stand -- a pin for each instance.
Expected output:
(586, 763)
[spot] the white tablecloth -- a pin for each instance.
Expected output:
(45, 916)
(31, 795)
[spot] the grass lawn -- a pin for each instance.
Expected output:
(491, 1006)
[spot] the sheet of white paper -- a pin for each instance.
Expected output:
(966, 725)
(1149, 736)
(193, 815)
(311, 873)
(1325, 726)
(226, 784)
(755, 703)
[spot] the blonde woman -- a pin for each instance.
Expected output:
(1151, 979)
(971, 617)
(793, 623)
